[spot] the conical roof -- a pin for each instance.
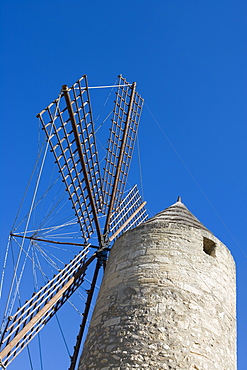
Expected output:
(178, 213)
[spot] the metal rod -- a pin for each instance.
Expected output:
(120, 160)
(54, 241)
(105, 87)
(84, 320)
(5, 330)
(65, 90)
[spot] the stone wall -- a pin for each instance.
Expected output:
(165, 303)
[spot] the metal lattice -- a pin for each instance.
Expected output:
(126, 117)
(129, 214)
(35, 313)
(73, 144)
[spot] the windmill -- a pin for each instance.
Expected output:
(99, 203)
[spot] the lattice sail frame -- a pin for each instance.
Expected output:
(68, 125)
(58, 126)
(129, 214)
(28, 320)
(128, 107)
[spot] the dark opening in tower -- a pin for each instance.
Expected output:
(209, 247)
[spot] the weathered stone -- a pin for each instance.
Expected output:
(167, 300)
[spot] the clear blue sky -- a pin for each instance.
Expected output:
(189, 60)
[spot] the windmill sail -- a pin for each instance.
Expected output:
(129, 214)
(126, 117)
(68, 124)
(35, 313)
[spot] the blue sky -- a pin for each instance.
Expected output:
(189, 61)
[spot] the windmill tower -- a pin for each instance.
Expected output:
(167, 300)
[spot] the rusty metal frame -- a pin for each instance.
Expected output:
(71, 136)
(125, 121)
(78, 144)
(120, 159)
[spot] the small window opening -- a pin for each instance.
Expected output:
(209, 247)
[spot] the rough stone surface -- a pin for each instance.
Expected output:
(167, 300)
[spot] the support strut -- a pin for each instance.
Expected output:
(74, 357)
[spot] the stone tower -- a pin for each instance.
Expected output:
(167, 300)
